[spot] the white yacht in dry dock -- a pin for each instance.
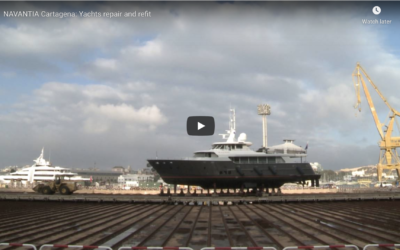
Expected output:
(41, 171)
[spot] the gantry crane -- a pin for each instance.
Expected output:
(388, 158)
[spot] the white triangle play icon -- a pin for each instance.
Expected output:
(200, 126)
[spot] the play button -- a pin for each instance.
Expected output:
(200, 125)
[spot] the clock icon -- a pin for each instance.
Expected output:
(376, 10)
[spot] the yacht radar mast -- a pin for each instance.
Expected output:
(40, 161)
(232, 127)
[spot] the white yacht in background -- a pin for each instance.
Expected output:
(41, 171)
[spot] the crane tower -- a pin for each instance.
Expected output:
(388, 157)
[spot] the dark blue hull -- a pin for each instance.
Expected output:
(226, 174)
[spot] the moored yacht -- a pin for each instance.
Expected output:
(233, 164)
(41, 171)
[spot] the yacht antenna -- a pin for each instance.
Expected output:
(233, 119)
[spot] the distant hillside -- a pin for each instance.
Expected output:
(366, 168)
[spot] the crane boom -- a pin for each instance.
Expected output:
(360, 79)
(377, 90)
(388, 158)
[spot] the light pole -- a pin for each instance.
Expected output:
(264, 110)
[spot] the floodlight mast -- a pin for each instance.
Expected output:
(388, 158)
(264, 110)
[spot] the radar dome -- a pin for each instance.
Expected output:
(242, 137)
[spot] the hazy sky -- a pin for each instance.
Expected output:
(117, 90)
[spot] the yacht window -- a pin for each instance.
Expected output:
(235, 160)
(262, 160)
(253, 160)
(244, 160)
(226, 147)
(238, 146)
(279, 160)
(271, 159)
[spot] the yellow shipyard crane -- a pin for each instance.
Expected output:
(388, 157)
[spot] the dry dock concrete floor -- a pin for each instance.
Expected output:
(123, 224)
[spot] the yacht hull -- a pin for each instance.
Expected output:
(226, 174)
